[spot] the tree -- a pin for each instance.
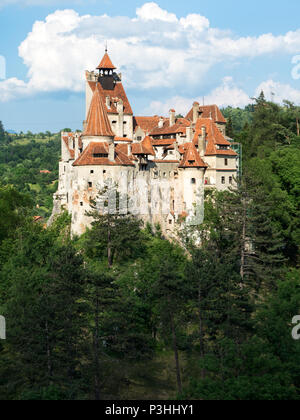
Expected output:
(2, 132)
(162, 274)
(43, 283)
(114, 236)
(229, 128)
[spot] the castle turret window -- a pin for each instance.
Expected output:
(223, 179)
(193, 181)
(226, 162)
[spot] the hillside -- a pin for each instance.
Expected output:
(121, 313)
(30, 163)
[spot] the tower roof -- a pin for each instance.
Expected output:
(106, 63)
(97, 120)
(191, 158)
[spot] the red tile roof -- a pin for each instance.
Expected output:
(87, 157)
(163, 142)
(106, 63)
(117, 93)
(97, 120)
(191, 158)
(214, 138)
(146, 123)
(143, 148)
(179, 127)
(208, 111)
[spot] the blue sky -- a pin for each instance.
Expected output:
(169, 53)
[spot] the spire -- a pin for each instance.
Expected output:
(106, 63)
(97, 120)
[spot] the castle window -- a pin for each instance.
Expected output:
(104, 172)
(170, 222)
(90, 184)
(100, 155)
(91, 171)
(193, 181)
(139, 138)
(226, 162)
(230, 180)
(114, 122)
(223, 179)
(144, 167)
(81, 203)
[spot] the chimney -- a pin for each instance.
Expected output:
(202, 142)
(195, 112)
(111, 152)
(161, 122)
(189, 134)
(107, 101)
(120, 110)
(172, 117)
(76, 146)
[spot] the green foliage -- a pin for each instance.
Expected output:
(22, 158)
(122, 313)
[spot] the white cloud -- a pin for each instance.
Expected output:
(227, 94)
(278, 92)
(155, 49)
(151, 11)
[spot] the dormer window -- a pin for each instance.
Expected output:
(100, 155)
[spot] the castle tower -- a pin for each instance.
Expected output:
(107, 76)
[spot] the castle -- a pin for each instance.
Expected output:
(162, 164)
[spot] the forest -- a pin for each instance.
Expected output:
(121, 313)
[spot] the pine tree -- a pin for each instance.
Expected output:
(115, 235)
(44, 292)
(229, 128)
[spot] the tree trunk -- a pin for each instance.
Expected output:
(96, 349)
(49, 359)
(109, 250)
(176, 355)
(243, 241)
(201, 339)
(201, 335)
